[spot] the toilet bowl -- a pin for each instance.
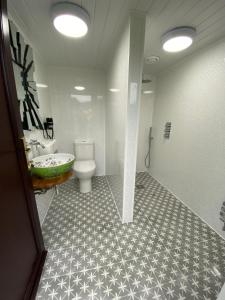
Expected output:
(84, 165)
(84, 171)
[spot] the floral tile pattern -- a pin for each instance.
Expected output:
(166, 253)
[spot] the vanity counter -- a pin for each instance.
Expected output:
(42, 184)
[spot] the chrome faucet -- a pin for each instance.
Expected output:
(36, 143)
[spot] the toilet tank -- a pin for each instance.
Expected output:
(84, 149)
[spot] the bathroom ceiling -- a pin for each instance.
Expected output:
(207, 16)
(107, 18)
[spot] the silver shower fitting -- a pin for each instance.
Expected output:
(148, 155)
(36, 143)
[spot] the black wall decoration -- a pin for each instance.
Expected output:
(23, 66)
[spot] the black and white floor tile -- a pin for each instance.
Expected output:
(166, 253)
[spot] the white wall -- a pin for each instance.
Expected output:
(191, 163)
(78, 114)
(136, 57)
(40, 76)
(122, 112)
(116, 113)
(145, 122)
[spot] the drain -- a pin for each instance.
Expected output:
(139, 186)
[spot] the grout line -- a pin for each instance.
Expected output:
(163, 185)
(114, 200)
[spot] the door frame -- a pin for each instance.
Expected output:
(16, 126)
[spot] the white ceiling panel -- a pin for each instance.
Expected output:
(207, 16)
(107, 19)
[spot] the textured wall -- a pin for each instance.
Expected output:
(192, 162)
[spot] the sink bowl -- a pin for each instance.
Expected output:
(52, 165)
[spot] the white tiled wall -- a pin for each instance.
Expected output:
(122, 110)
(40, 76)
(136, 57)
(116, 113)
(78, 114)
(192, 162)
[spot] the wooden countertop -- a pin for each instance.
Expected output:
(48, 183)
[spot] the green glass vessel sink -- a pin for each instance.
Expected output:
(52, 165)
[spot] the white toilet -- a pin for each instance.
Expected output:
(84, 165)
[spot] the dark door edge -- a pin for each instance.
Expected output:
(32, 287)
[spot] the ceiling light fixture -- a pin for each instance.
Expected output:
(178, 39)
(41, 85)
(70, 19)
(79, 88)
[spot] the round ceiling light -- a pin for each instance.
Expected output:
(178, 39)
(70, 19)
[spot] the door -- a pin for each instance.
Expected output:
(22, 252)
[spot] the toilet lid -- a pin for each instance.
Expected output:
(84, 165)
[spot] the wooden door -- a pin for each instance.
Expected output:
(22, 252)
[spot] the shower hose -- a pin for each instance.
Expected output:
(148, 156)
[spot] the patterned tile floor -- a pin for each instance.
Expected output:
(166, 253)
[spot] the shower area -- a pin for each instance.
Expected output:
(178, 187)
(145, 131)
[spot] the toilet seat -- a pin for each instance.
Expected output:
(84, 166)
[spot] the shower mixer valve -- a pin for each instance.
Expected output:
(167, 130)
